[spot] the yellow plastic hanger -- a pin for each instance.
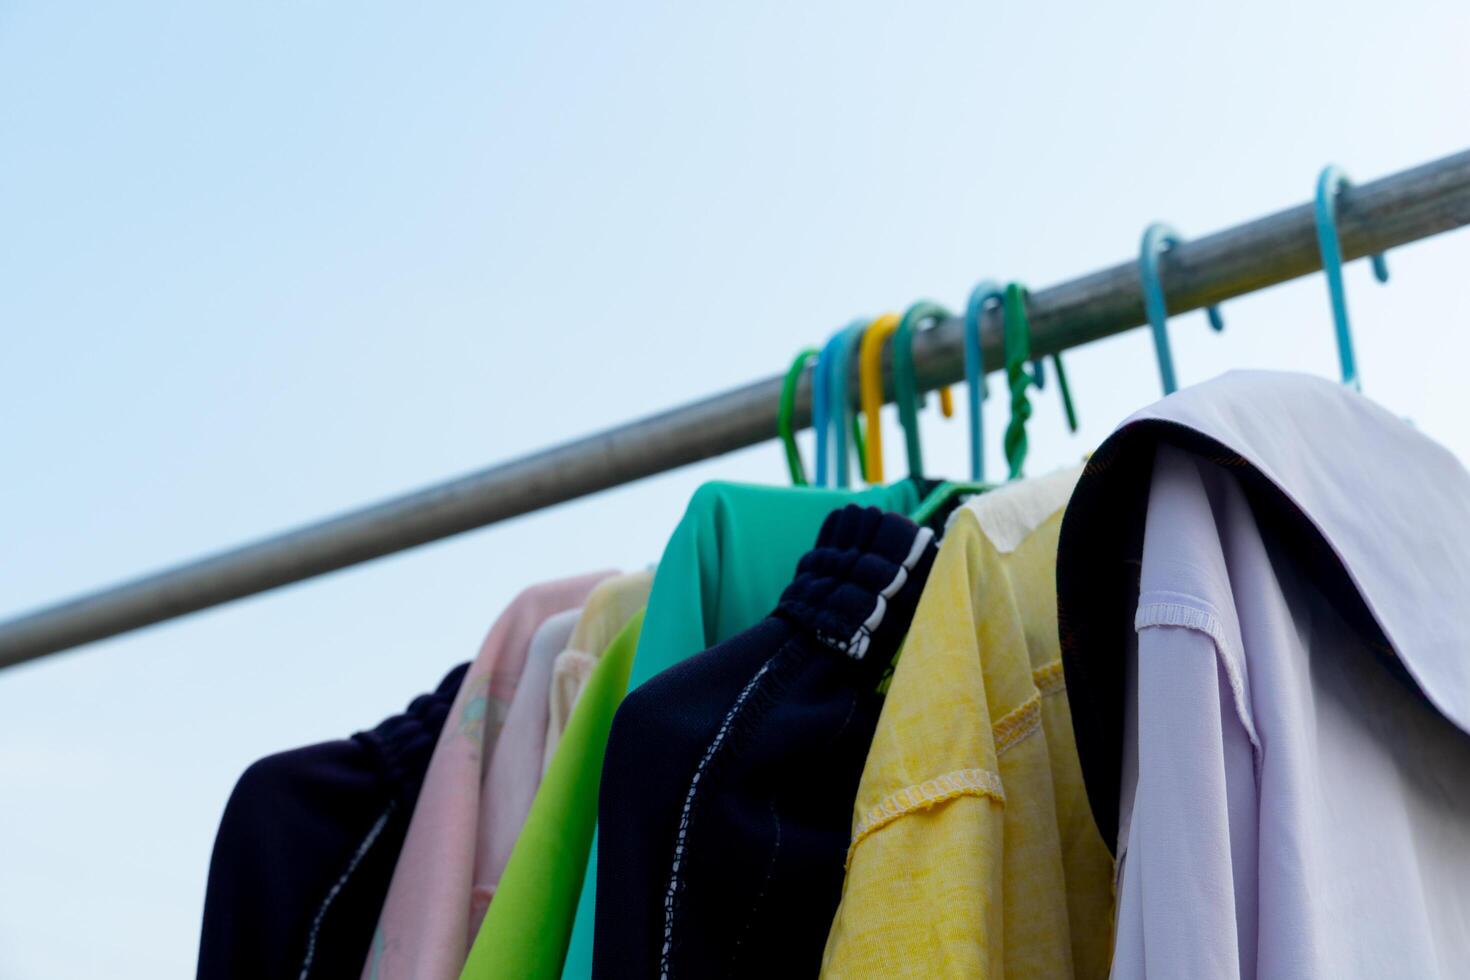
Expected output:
(870, 388)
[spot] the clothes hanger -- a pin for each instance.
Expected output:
(947, 491)
(1018, 351)
(841, 407)
(1038, 379)
(870, 378)
(1065, 389)
(787, 408)
(906, 394)
(981, 296)
(831, 411)
(821, 414)
(1331, 182)
(905, 384)
(1017, 334)
(1156, 238)
(870, 386)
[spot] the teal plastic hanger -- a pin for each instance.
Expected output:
(906, 392)
(986, 293)
(1017, 353)
(821, 417)
(1156, 238)
(905, 384)
(1330, 183)
(787, 409)
(840, 405)
(819, 412)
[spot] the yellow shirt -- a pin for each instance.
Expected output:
(609, 607)
(974, 853)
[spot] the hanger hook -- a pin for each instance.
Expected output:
(843, 420)
(1038, 380)
(870, 384)
(981, 296)
(1018, 352)
(905, 382)
(787, 408)
(1158, 237)
(832, 415)
(1064, 389)
(821, 411)
(1330, 183)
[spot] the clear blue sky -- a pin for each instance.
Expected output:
(264, 262)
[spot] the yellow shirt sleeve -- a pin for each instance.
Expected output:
(956, 867)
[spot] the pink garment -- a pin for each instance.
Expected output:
(424, 929)
(515, 765)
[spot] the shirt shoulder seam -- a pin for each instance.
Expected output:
(1165, 609)
(983, 783)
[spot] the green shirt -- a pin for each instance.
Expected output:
(525, 930)
(723, 571)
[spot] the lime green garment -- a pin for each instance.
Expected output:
(723, 571)
(525, 931)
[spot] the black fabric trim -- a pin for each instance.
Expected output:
(864, 558)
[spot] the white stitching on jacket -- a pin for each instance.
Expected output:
(683, 834)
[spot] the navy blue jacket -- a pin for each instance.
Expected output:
(729, 780)
(307, 846)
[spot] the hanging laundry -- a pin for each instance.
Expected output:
(424, 929)
(972, 852)
(608, 610)
(1261, 587)
(526, 930)
(723, 570)
(307, 846)
(514, 772)
(729, 779)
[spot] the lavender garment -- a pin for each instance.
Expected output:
(1294, 792)
(424, 929)
(515, 765)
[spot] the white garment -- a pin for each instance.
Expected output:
(1012, 511)
(1290, 805)
(1294, 809)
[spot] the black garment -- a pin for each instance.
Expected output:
(729, 780)
(307, 846)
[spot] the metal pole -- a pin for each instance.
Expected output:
(1373, 217)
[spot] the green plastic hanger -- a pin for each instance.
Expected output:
(787, 408)
(1017, 334)
(1018, 352)
(943, 494)
(1038, 375)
